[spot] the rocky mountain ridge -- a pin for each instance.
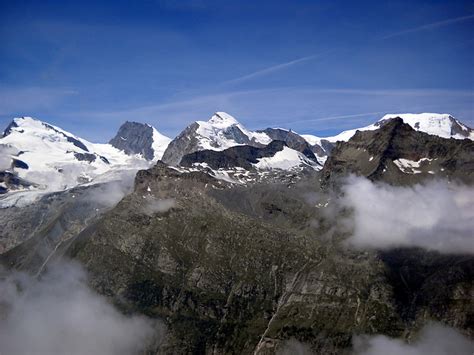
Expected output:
(233, 267)
(398, 154)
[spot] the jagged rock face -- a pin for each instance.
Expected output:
(186, 142)
(135, 138)
(292, 140)
(239, 156)
(236, 269)
(457, 128)
(9, 129)
(324, 149)
(399, 155)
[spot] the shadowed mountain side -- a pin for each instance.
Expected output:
(399, 155)
(229, 278)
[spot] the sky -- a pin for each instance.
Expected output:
(317, 67)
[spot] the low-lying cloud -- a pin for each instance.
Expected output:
(435, 216)
(295, 347)
(153, 205)
(59, 314)
(6, 153)
(110, 193)
(434, 339)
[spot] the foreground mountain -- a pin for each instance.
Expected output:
(143, 139)
(242, 269)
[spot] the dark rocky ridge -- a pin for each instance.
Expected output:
(134, 138)
(70, 139)
(372, 154)
(239, 156)
(89, 157)
(185, 143)
(241, 269)
(9, 128)
(292, 140)
(17, 163)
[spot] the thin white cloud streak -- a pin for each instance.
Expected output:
(27, 100)
(272, 69)
(302, 109)
(399, 92)
(430, 26)
(225, 97)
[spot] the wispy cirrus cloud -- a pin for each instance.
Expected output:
(24, 100)
(430, 26)
(272, 69)
(324, 111)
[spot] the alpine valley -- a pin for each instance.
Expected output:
(245, 242)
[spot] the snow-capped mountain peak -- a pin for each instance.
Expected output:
(220, 132)
(22, 129)
(223, 131)
(438, 124)
(222, 120)
(46, 158)
(159, 145)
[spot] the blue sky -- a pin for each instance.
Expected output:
(314, 66)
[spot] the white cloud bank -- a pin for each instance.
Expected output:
(435, 216)
(59, 314)
(434, 339)
(295, 347)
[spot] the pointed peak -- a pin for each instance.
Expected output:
(222, 119)
(18, 123)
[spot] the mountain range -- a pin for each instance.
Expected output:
(40, 158)
(248, 242)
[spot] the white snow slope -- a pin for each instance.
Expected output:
(49, 152)
(286, 159)
(213, 134)
(159, 145)
(436, 124)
